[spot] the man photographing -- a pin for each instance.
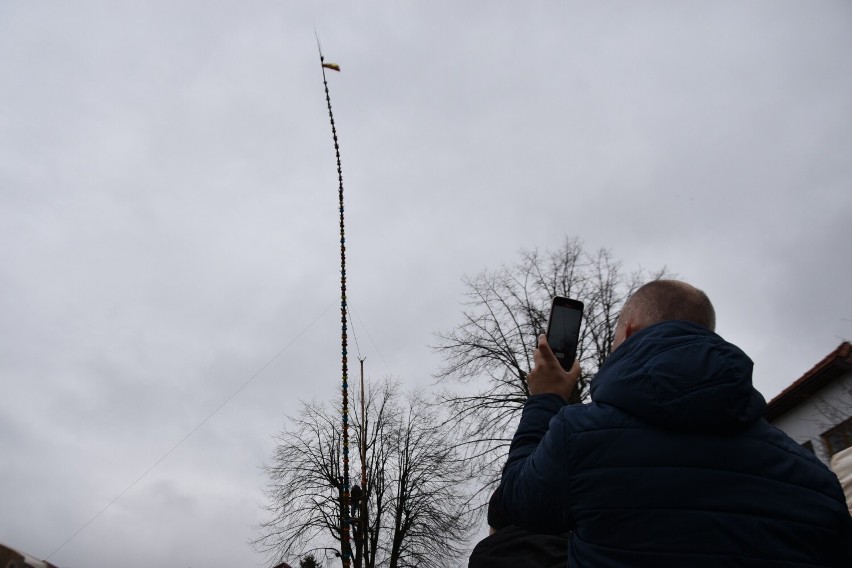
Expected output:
(672, 464)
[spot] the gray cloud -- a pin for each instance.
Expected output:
(169, 218)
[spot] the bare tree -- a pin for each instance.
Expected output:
(415, 505)
(490, 352)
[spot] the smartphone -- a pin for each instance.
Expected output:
(563, 329)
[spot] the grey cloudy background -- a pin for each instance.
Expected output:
(168, 217)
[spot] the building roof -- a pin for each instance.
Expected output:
(11, 557)
(834, 365)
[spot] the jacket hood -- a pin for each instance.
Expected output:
(680, 375)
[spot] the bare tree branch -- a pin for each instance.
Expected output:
(417, 509)
(489, 354)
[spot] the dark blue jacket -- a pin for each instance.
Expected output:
(673, 465)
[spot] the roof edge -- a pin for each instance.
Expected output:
(831, 366)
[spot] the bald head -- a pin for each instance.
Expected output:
(663, 300)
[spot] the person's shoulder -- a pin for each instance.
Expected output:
(773, 438)
(800, 466)
(596, 416)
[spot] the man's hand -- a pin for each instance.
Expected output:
(548, 376)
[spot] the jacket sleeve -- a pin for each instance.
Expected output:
(534, 482)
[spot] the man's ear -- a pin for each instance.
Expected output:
(630, 329)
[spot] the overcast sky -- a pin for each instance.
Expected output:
(168, 217)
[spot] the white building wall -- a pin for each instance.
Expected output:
(811, 418)
(841, 464)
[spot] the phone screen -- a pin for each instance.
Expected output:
(563, 331)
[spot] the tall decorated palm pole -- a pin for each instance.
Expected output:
(345, 519)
